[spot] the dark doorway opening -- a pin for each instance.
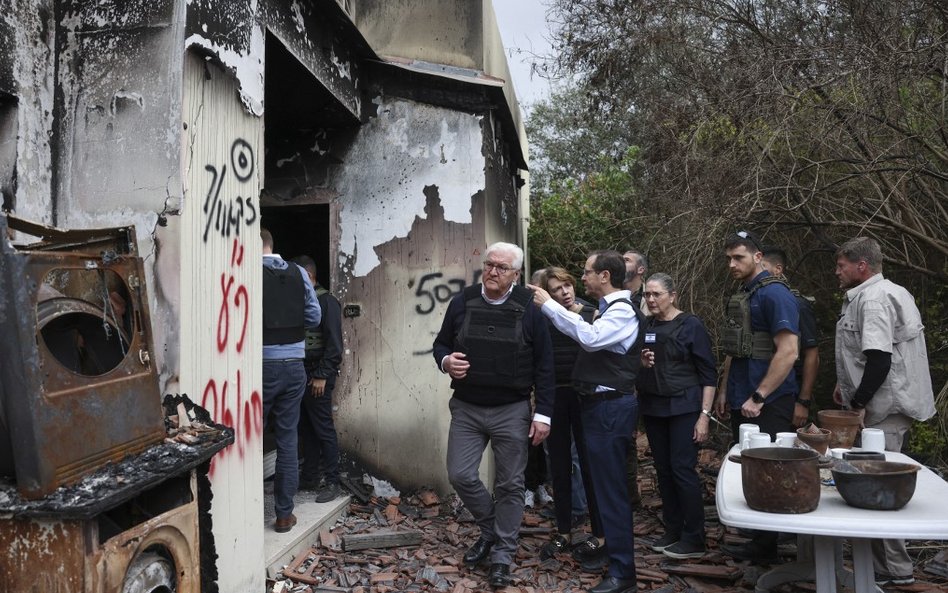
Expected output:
(301, 230)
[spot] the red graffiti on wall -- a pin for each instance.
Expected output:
(241, 300)
(243, 413)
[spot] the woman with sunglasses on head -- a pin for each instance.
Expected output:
(676, 391)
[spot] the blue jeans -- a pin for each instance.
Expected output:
(283, 384)
(608, 426)
(318, 436)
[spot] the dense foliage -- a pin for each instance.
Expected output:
(809, 122)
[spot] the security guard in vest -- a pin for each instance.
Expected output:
(497, 350)
(289, 305)
(761, 337)
(318, 439)
(605, 375)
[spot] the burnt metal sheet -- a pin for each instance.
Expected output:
(74, 310)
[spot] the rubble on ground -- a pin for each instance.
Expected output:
(396, 561)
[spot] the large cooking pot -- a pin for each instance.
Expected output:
(781, 479)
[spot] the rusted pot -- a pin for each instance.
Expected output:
(878, 485)
(780, 479)
(843, 423)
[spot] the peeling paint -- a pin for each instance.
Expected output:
(247, 66)
(380, 203)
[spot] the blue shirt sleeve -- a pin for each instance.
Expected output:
(779, 309)
(312, 314)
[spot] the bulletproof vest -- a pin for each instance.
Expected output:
(674, 371)
(610, 369)
(739, 339)
(315, 341)
(283, 304)
(492, 338)
(565, 349)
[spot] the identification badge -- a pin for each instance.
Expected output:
(650, 338)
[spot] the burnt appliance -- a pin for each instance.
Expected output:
(77, 385)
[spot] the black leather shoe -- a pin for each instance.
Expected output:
(478, 551)
(614, 585)
(499, 575)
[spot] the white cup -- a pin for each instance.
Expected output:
(759, 439)
(873, 439)
(745, 430)
(838, 452)
(786, 439)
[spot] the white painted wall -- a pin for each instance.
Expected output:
(220, 337)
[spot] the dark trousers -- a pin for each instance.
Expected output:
(676, 456)
(535, 474)
(283, 384)
(318, 437)
(776, 416)
(608, 426)
(567, 427)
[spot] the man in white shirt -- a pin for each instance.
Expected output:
(881, 368)
(604, 377)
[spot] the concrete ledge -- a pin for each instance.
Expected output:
(280, 548)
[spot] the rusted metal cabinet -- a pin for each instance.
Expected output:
(103, 553)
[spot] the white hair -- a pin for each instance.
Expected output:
(510, 248)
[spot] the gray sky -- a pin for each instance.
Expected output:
(525, 33)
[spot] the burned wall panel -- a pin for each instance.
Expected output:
(219, 334)
(121, 89)
(410, 237)
(27, 66)
(322, 39)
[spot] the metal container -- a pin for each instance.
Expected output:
(877, 485)
(781, 479)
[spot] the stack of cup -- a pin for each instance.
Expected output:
(744, 432)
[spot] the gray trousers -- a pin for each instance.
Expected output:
(506, 428)
(889, 556)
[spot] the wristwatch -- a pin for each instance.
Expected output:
(805, 402)
(757, 397)
(706, 413)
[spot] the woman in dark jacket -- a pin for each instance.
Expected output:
(676, 391)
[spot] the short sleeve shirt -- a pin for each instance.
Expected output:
(773, 309)
(881, 315)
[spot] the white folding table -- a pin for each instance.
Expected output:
(924, 517)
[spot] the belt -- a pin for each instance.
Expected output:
(601, 395)
(283, 360)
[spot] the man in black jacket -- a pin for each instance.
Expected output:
(497, 350)
(323, 356)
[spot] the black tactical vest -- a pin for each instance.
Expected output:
(283, 304)
(565, 349)
(674, 371)
(492, 338)
(315, 340)
(739, 339)
(610, 369)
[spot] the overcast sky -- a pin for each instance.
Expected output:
(525, 33)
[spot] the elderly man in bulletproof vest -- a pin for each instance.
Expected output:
(289, 305)
(497, 350)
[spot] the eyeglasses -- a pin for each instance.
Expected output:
(500, 268)
(653, 295)
(749, 237)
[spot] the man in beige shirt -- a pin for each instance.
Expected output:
(881, 368)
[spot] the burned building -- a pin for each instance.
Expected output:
(382, 138)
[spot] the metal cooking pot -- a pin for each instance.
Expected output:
(781, 479)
